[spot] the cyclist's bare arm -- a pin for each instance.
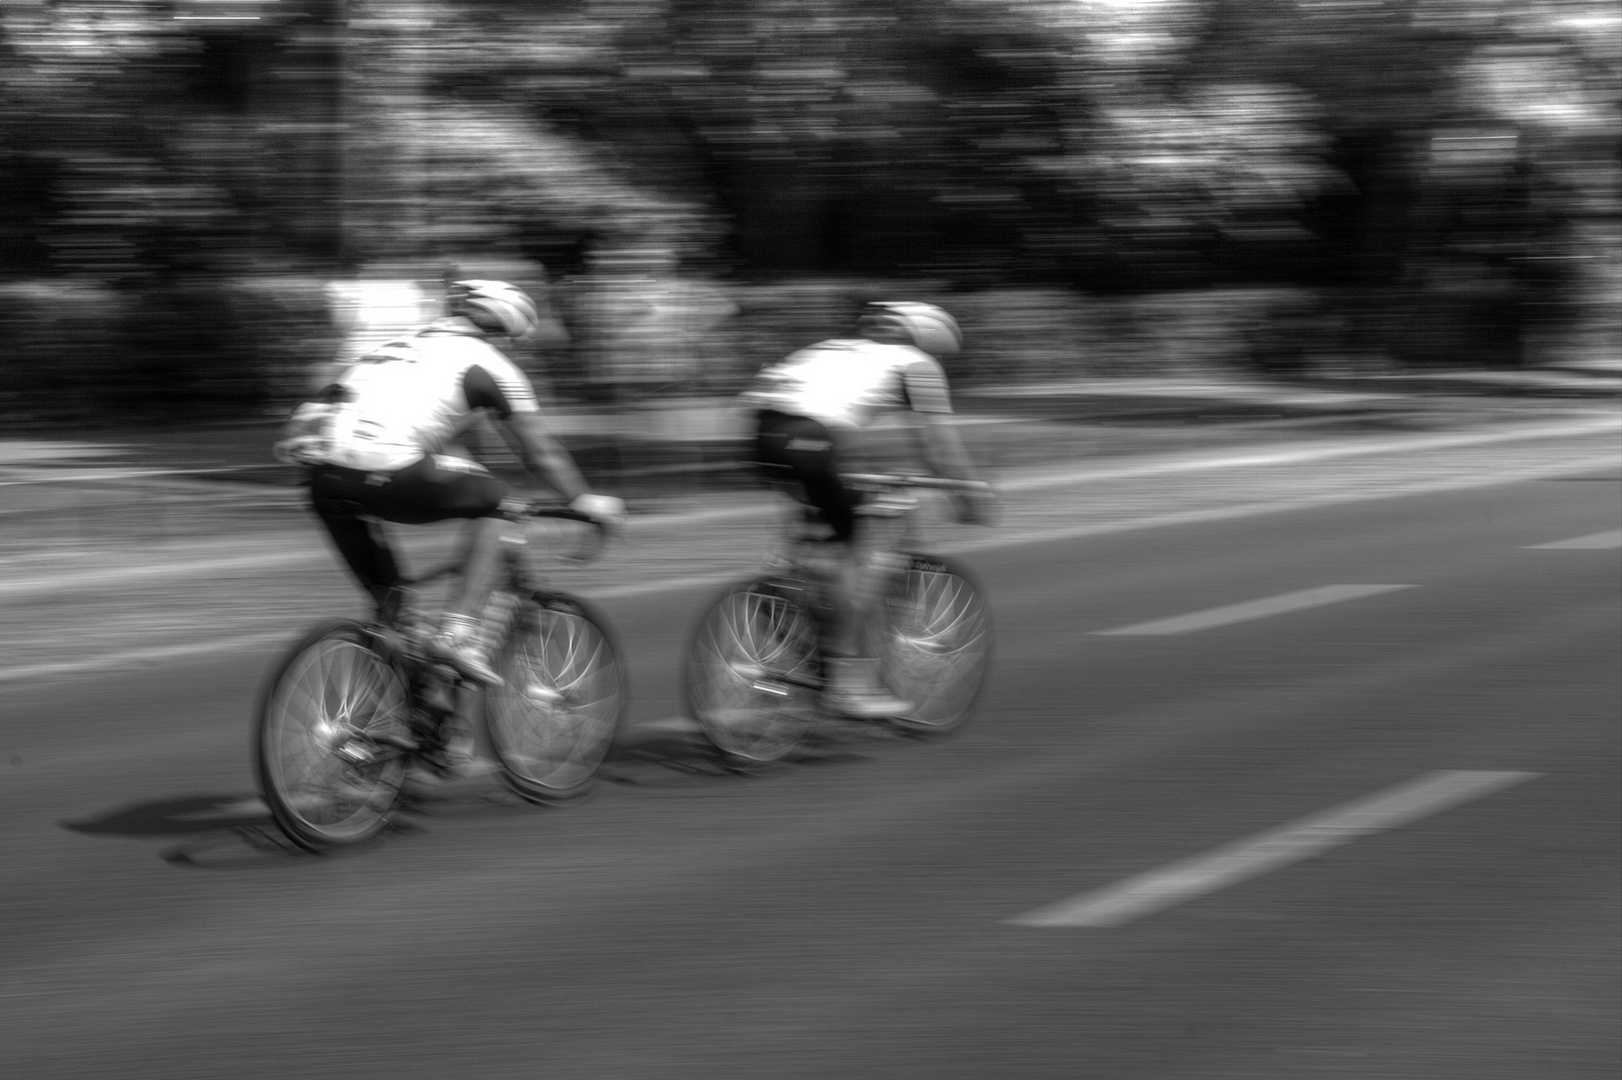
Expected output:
(542, 454)
(943, 447)
(931, 405)
(506, 396)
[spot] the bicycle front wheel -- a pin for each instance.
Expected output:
(939, 646)
(331, 723)
(752, 674)
(566, 691)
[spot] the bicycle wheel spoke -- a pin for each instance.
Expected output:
(745, 669)
(554, 722)
(939, 648)
(326, 779)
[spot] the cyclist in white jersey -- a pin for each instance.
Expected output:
(382, 444)
(815, 411)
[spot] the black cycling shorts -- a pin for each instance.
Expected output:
(799, 452)
(437, 488)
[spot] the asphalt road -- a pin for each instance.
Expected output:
(859, 914)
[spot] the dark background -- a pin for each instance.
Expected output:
(1300, 188)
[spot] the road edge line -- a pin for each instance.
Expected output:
(152, 654)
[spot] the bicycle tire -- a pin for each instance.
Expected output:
(938, 647)
(751, 674)
(566, 692)
(323, 769)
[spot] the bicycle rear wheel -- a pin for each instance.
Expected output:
(327, 743)
(939, 645)
(752, 674)
(566, 691)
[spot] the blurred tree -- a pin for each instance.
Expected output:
(1445, 171)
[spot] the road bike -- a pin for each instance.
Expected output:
(354, 706)
(754, 672)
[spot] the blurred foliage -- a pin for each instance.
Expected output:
(1099, 186)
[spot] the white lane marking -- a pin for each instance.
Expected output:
(996, 540)
(1036, 479)
(990, 540)
(1254, 609)
(136, 657)
(1187, 879)
(1040, 477)
(1592, 542)
(182, 564)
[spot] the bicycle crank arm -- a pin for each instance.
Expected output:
(780, 684)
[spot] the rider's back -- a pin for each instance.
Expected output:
(412, 396)
(848, 383)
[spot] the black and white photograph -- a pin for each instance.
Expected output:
(810, 539)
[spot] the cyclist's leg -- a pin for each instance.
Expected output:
(799, 453)
(804, 450)
(342, 498)
(443, 488)
(481, 567)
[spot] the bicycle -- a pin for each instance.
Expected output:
(355, 704)
(754, 673)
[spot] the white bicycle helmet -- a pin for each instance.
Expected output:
(930, 328)
(495, 307)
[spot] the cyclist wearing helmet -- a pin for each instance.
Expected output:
(813, 412)
(382, 444)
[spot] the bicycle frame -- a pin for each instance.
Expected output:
(885, 539)
(354, 704)
(754, 671)
(400, 632)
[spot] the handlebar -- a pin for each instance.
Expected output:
(888, 502)
(518, 511)
(521, 510)
(903, 480)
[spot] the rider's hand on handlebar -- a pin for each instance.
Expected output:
(603, 509)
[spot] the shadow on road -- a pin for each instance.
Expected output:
(677, 758)
(236, 830)
(171, 817)
(227, 830)
(661, 758)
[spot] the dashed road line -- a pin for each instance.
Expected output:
(1253, 609)
(1188, 879)
(1599, 541)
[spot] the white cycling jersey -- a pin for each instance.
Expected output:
(849, 382)
(413, 395)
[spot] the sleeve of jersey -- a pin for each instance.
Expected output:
(924, 383)
(499, 387)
